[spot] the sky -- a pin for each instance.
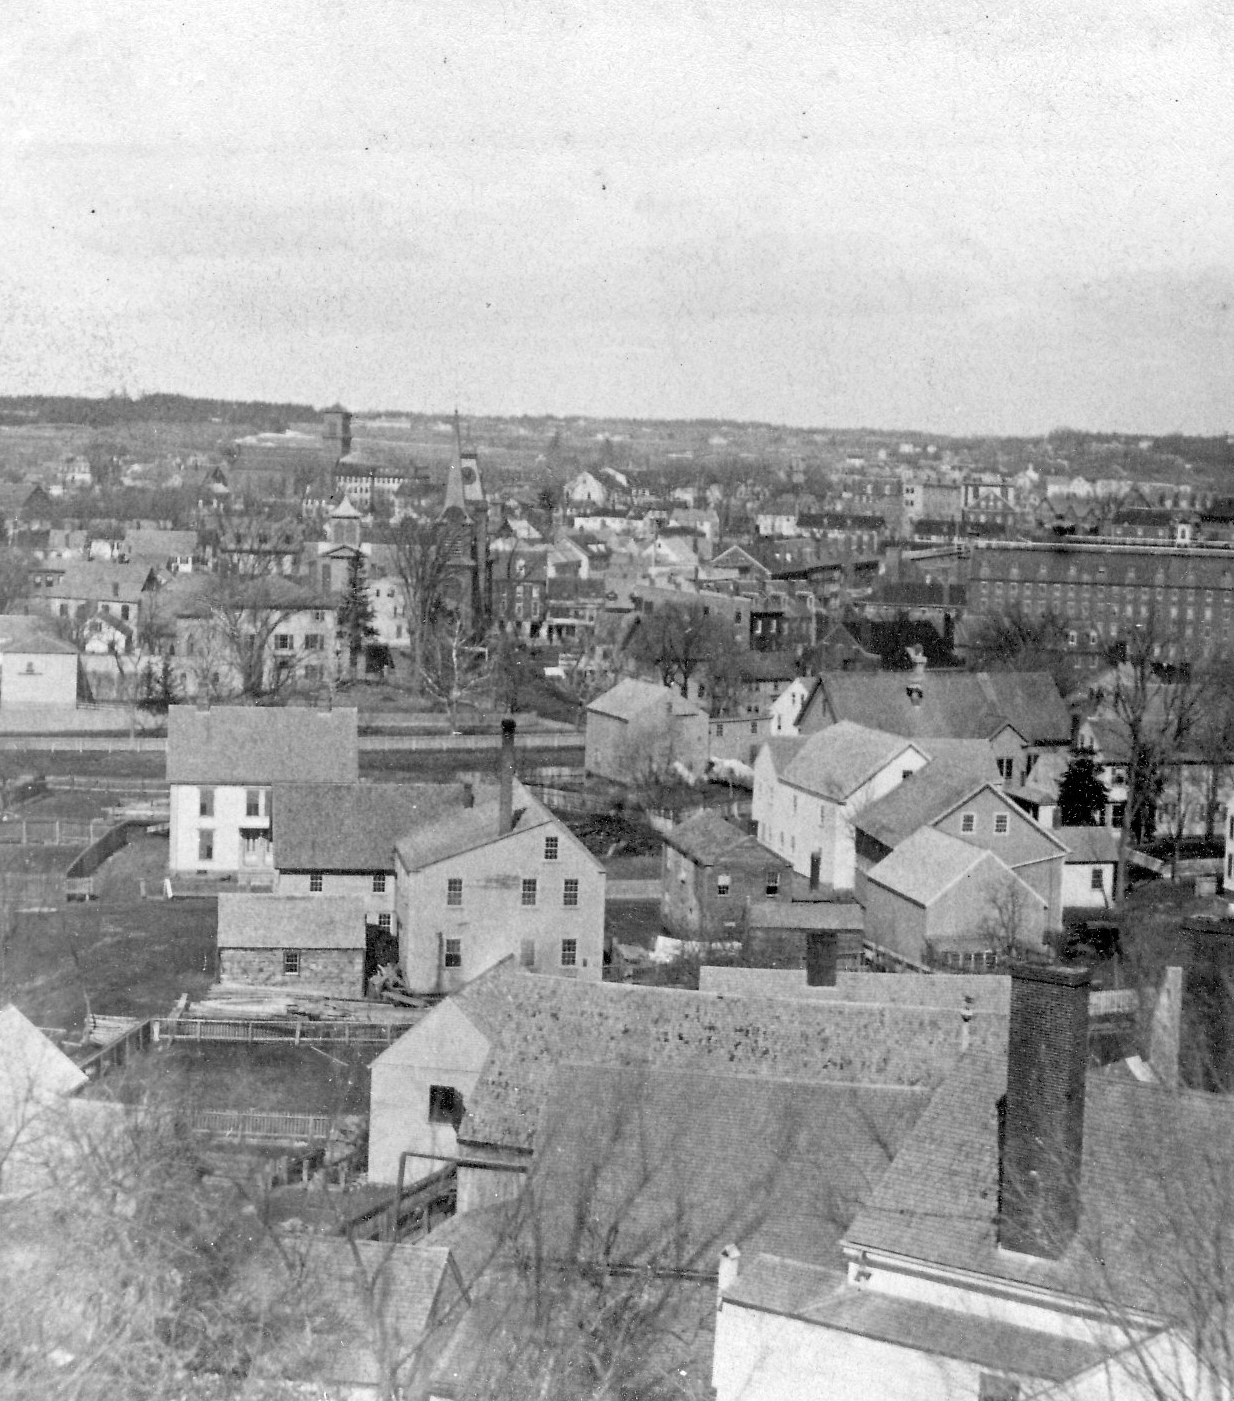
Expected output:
(950, 216)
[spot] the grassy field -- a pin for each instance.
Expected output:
(125, 959)
(285, 1079)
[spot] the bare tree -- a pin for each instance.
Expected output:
(425, 552)
(454, 670)
(1156, 708)
(679, 640)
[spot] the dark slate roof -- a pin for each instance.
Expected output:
(536, 1024)
(261, 745)
(668, 1167)
(326, 827)
(707, 838)
(824, 1296)
(101, 580)
(1136, 1240)
(955, 704)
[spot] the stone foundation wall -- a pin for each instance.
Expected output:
(339, 972)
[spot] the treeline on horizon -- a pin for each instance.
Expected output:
(118, 409)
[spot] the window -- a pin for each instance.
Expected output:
(968, 822)
(313, 642)
(282, 642)
(316, 882)
(569, 953)
(724, 883)
(1096, 879)
(569, 894)
(992, 1387)
(445, 1105)
(772, 886)
(453, 953)
(385, 921)
(205, 802)
(1006, 767)
(252, 802)
(454, 890)
(550, 849)
(205, 845)
(379, 883)
(319, 615)
(529, 891)
(1001, 823)
(291, 963)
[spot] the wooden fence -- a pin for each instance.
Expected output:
(104, 783)
(52, 831)
(283, 1031)
(116, 1053)
(259, 1124)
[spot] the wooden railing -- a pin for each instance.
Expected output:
(409, 1211)
(249, 1124)
(116, 1053)
(284, 1031)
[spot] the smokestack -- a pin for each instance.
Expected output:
(505, 778)
(1041, 1119)
(822, 957)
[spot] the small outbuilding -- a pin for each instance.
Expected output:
(1089, 866)
(637, 730)
(313, 944)
(937, 900)
(712, 870)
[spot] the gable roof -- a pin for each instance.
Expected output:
(1088, 845)
(707, 838)
(261, 745)
(630, 697)
(101, 581)
(328, 827)
(32, 1070)
(468, 829)
(265, 921)
(535, 1024)
(926, 865)
(647, 1158)
(939, 1200)
(922, 799)
(955, 704)
(835, 762)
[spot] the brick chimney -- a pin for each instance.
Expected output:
(505, 778)
(1041, 1119)
(822, 956)
(1206, 1016)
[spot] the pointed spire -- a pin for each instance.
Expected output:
(455, 497)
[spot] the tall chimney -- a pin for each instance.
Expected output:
(1206, 1031)
(505, 778)
(822, 957)
(1041, 1120)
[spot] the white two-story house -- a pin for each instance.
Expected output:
(222, 765)
(807, 792)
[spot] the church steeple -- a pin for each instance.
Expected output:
(456, 496)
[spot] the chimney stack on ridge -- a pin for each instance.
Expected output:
(505, 778)
(1041, 1120)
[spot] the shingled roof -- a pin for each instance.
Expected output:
(836, 761)
(956, 704)
(629, 698)
(926, 865)
(646, 1159)
(294, 922)
(468, 829)
(931, 792)
(535, 1024)
(324, 827)
(1155, 1173)
(707, 838)
(261, 745)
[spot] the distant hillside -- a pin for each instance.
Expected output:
(118, 410)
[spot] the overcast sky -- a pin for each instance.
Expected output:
(961, 217)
